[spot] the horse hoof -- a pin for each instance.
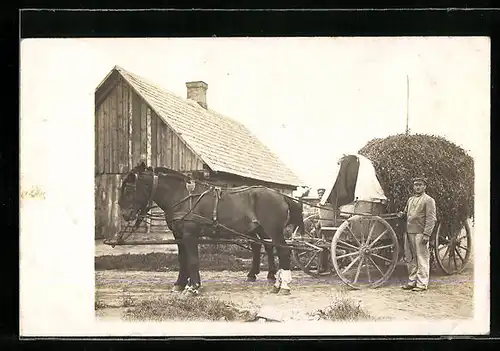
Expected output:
(190, 291)
(285, 292)
(177, 289)
(251, 279)
(275, 290)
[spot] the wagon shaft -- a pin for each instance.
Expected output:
(292, 244)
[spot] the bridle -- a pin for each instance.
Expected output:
(149, 204)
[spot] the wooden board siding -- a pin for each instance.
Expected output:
(167, 147)
(121, 122)
(149, 136)
(106, 205)
(127, 131)
(154, 136)
(112, 123)
(136, 129)
(130, 125)
(124, 144)
(105, 120)
(143, 132)
(114, 132)
(159, 142)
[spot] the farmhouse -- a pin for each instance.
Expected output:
(135, 120)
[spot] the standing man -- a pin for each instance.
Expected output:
(420, 212)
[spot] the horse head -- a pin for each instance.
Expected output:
(135, 192)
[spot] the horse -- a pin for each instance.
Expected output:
(193, 208)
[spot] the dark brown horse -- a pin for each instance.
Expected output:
(194, 208)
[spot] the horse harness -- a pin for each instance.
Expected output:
(190, 186)
(182, 216)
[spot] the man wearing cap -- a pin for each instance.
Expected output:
(420, 212)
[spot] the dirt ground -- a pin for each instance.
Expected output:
(448, 297)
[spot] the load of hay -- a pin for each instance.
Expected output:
(449, 170)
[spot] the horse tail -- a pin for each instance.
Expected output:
(296, 218)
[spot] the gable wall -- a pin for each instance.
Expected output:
(128, 131)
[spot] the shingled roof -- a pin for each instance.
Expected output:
(224, 144)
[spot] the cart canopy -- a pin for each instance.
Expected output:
(362, 175)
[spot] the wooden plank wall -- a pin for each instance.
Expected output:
(129, 131)
(112, 131)
(107, 222)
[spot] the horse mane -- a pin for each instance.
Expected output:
(168, 171)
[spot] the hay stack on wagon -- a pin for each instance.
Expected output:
(448, 168)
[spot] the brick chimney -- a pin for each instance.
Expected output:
(197, 91)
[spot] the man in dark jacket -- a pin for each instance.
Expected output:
(420, 212)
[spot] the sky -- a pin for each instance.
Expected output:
(308, 99)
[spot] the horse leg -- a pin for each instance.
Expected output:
(252, 275)
(182, 278)
(325, 263)
(284, 273)
(271, 274)
(193, 263)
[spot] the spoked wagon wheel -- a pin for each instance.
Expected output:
(364, 251)
(315, 263)
(452, 250)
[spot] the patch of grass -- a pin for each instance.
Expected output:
(127, 299)
(153, 261)
(185, 308)
(224, 249)
(343, 308)
(98, 302)
(161, 262)
(98, 305)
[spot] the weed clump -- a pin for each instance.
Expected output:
(185, 308)
(343, 308)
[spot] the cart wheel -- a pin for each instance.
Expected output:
(452, 250)
(315, 263)
(364, 251)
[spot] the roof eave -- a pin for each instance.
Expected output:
(258, 179)
(115, 68)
